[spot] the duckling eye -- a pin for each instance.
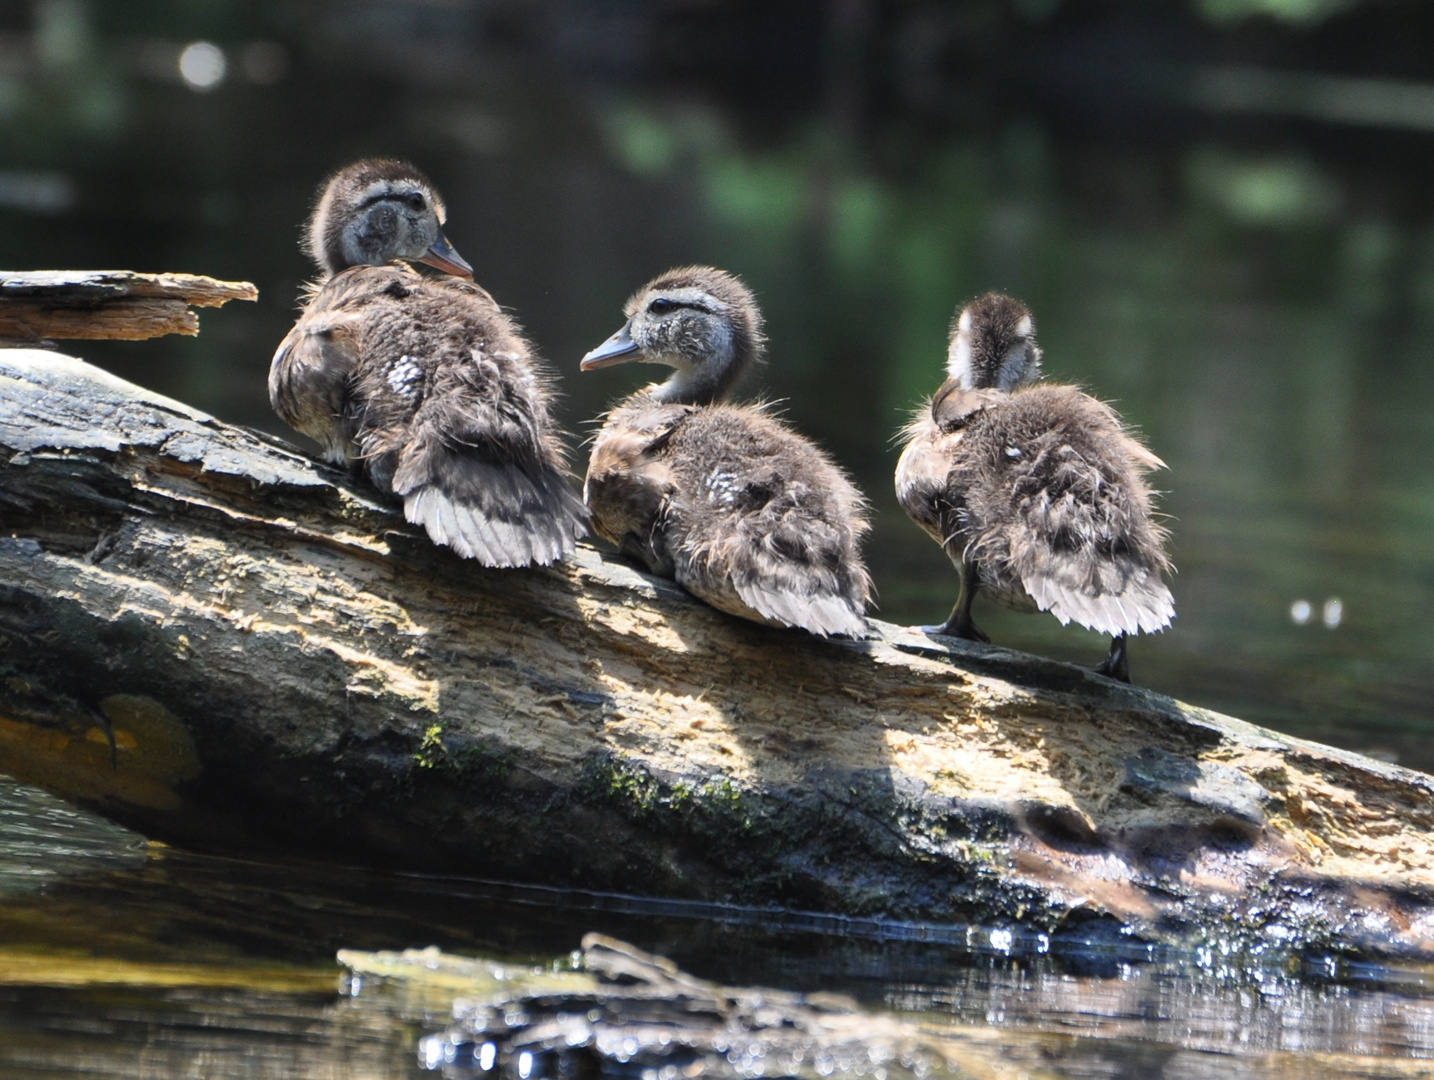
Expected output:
(661, 305)
(414, 200)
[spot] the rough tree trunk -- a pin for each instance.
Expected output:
(209, 636)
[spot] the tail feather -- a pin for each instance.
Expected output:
(802, 572)
(819, 612)
(501, 514)
(500, 539)
(1143, 604)
(1081, 540)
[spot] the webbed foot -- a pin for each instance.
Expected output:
(1117, 664)
(956, 628)
(960, 624)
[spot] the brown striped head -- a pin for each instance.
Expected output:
(376, 211)
(993, 344)
(701, 321)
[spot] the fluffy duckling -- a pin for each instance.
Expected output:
(1037, 493)
(421, 379)
(742, 511)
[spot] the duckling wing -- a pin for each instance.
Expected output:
(765, 515)
(479, 464)
(1068, 515)
(630, 483)
(922, 473)
(310, 376)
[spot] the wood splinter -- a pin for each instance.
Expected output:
(123, 305)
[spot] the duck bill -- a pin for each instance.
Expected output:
(442, 256)
(618, 349)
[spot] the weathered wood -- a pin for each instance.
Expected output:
(119, 304)
(206, 634)
(631, 1013)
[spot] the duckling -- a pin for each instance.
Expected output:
(1037, 493)
(421, 380)
(739, 509)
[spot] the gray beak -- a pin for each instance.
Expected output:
(618, 349)
(442, 256)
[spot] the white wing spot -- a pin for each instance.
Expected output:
(1013, 451)
(403, 375)
(722, 487)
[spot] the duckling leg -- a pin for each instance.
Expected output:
(960, 624)
(1117, 664)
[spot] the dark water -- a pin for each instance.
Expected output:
(119, 958)
(1254, 289)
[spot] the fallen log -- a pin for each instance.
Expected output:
(209, 636)
(118, 304)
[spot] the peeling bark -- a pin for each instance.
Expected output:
(209, 636)
(118, 304)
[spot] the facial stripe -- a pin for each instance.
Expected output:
(692, 298)
(387, 189)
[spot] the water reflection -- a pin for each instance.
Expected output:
(43, 840)
(140, 960)
(181, 1032)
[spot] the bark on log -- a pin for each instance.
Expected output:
(117, 304)
(207, 635)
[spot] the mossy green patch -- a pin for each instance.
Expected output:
(430, 747)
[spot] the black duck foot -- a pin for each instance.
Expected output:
(950, 628)
(1117, 664)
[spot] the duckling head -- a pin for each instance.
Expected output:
(703, 322)
(993, 344)
(376, 211)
